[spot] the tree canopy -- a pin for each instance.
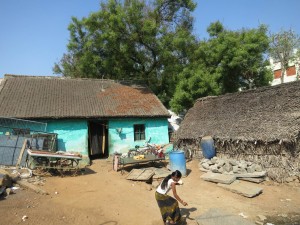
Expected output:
(152, 41)
(227, 62)
(133, 40)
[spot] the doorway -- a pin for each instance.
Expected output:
(98, 139)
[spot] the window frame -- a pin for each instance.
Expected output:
(139, 131)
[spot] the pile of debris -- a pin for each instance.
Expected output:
(229, 166)
(11, 179)
(228, 172)
(6, 183)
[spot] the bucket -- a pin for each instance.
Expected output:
(208, 147)
(177, 162)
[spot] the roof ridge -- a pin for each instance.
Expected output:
(137, 82)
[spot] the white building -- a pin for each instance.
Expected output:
(290, 74)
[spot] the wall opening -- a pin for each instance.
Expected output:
(98, 139)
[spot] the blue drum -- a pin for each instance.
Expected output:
(177, 162)
(208, 147)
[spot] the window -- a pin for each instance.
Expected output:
(291, 71)
(139, 132)
(277, 74)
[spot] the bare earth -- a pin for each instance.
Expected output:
(103, 196)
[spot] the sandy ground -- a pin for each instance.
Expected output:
(103, 196)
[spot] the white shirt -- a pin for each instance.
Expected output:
(165, 191)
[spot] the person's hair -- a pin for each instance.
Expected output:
(176, 174)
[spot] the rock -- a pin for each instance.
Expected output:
(242, 165)
(214, 160)
(218, 178)
(254, 180)
(214, 168)
(206, 166)
(251, 169)
(232, 162)
(221, 162)
(255, 174)
(242, 189)
(227, 167)
(235, 169)
(261, 217)
(289, 179)
(258, 168)
(259, 222)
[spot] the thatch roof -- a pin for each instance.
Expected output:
(54, 97)
(266, 114)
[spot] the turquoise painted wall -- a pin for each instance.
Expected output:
(155, 128)
(72, 135)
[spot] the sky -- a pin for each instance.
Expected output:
(34, 33)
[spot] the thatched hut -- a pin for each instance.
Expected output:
(261, 125)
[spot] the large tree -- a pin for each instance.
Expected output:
(284, 45)
(226, 62)
(133, 40)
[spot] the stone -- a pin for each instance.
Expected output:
(261, 217)
(253, 179)
(218, 178)
(214, 160)
(289, 179)
(251, 169)
(217, 216)
(255, 174)
(258, 168)
(232, 162)
(227, 167)
(206, 166)
(244, 189)
(221, 162)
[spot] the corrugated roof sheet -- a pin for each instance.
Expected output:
(55, 97)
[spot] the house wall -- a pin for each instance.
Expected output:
(289, 76)
(156, 129)
(72, 136)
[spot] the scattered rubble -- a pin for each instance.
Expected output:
(225, 172)
(11, 179)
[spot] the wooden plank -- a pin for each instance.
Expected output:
(140, 174)
(21, 153)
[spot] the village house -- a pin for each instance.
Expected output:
(261, 125)
(93, 117)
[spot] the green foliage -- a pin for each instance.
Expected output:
(152, 41)
(133, 40)
(228, 61)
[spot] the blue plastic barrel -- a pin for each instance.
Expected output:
(208, 147)
(177, 162)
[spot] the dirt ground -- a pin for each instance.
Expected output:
(103, 196)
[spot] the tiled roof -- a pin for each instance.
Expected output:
(56, 97)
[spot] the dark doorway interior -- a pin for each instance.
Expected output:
(98, 139)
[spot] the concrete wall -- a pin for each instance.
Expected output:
(156, 130)
(72, 135)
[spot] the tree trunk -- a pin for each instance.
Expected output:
(282, 75)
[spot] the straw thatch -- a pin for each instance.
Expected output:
(261, 125)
